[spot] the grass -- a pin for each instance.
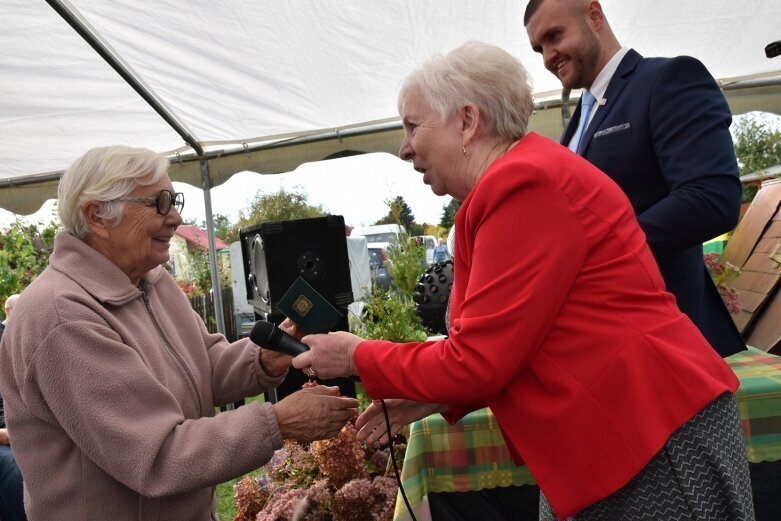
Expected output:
(226, 504)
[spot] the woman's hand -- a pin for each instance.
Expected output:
(315, 413)
(329, 356)
(371, 423)
(276, 364)
(290, 327)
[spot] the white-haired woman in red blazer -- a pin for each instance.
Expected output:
(560, 321)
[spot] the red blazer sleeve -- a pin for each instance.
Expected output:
(520, 247)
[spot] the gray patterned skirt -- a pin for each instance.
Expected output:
(701, 474)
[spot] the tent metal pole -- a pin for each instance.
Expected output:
(565, 114)
(85, 32)
(216, 288)
(67, 13)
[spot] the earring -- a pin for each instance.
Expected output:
(464, 150)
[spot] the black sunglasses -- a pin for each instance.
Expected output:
(164, 201)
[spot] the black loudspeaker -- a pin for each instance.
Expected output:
(275, 253)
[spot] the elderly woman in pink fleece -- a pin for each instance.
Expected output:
(111, 380)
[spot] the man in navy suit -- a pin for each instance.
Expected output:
(660, 129)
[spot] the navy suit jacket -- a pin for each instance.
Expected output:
(663, 135)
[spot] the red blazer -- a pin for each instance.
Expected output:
(561, 324)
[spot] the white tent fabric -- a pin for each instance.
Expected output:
(265, 85)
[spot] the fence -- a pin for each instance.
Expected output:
(204, 306)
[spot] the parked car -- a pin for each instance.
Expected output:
(378, 257)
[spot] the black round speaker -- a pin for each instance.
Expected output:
(432, 294)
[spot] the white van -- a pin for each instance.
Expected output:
(380, 233)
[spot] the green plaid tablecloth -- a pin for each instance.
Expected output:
(471, 455)
(759, 401)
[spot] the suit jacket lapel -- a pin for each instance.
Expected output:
(571, 126)
(614, 88)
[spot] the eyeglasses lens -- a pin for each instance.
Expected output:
(164, 202)
(166, 199)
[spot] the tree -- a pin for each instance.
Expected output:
(198, 275)
(449, 213)
(222, 228)
(757, 146)
(24, 254)
(279, 206)
(390, 313)
(400, 213)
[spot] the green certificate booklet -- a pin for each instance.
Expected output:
(308, 309)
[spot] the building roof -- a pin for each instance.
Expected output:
(767, 173)
(197, 237)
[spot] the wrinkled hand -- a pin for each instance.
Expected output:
(315, 413)
(330, 356)
(290, 327)
(274, 364)
(371, 423)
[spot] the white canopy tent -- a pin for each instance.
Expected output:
(266, 85)
(282, 83)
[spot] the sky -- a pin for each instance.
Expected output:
(354, 187)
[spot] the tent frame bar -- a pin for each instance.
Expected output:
(68, 14)
(336, 134)
(240, 149)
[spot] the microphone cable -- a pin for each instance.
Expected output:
(393, 460)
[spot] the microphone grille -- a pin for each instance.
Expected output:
(261, 333)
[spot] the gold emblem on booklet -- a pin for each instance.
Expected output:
(302, 305)
(311, 312)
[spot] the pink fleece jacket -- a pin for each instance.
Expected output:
(110, 394)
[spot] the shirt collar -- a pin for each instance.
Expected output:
(599, 87)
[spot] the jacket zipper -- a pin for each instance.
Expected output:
(171, 350)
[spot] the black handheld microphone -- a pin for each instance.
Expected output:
(268, 336)
(773, 49)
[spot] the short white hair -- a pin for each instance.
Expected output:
(10, 302)
(105, 174)
(485, 75)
